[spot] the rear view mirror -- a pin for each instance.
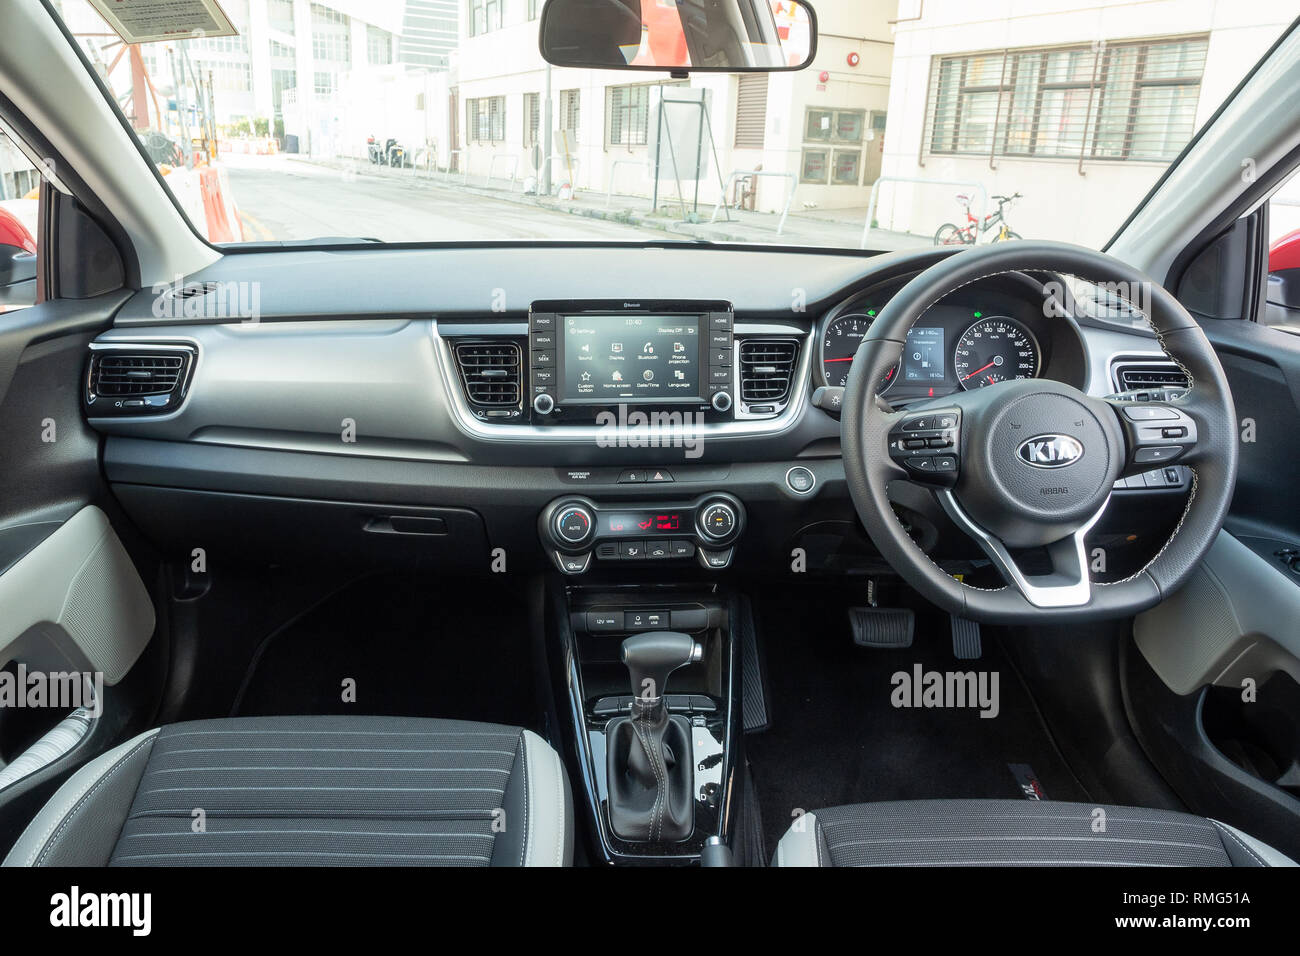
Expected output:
(680, 36)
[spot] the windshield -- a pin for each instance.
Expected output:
(437, 120)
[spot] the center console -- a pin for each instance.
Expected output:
(649, 675)
(576, 529)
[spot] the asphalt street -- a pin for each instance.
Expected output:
(280, 198)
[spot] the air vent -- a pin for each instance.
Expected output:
(1158, 376)
(194, 289)
(766, 368)
(491, 373)
(133, 379)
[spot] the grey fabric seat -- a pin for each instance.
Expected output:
(363, 791)
(1014, 833)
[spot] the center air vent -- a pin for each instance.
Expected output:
(491, 373)
(1156, 376)
(766, 368)
(137, 378)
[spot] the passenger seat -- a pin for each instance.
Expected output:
(311, 791)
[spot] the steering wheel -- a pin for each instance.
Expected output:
(1030, 463)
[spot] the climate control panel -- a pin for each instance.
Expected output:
(578, 530)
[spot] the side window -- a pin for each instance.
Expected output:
(1282, 308)
(19, 187)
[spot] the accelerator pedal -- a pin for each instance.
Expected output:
(966, 643)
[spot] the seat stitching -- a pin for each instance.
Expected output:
(523, 762)
(38, 856)
(1239, 841)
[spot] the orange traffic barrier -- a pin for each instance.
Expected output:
(218, 209)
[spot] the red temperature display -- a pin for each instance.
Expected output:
(641, 522)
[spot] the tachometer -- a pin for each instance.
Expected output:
(994, 350)
(840, 344)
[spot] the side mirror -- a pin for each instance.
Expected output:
(686, 36)
(17, 276)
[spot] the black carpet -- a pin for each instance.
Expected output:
(412, 649)
(837, 739)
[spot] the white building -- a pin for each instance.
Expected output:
(822, 126)
(1077, 104)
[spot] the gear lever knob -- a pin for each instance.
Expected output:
(652, 656)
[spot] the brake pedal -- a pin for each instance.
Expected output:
(966, 643)
(882, 627)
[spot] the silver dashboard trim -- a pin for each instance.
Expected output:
(652, 435)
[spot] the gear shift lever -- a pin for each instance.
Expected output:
(651, 657)
(649, 758)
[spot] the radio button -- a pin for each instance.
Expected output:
(544, 359)
(720, 340)
(720, 373)
(543, 322)
(543, 340)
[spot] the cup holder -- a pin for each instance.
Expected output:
(1262, 736)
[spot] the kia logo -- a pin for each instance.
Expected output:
(1050, 451)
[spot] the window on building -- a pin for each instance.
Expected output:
(281, 51)
(532, 111)
(379, 46)
(832, 153)
(485, 119)
(493, 8)
(532, 9)
(751, 110)
(570, 114)
(280, 15)
(331, 35)
(1116, 101)
(476, 18)
(281, 80)
(324, 83)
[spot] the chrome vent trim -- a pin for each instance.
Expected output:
(766, 369)
(1148, 376)
(491, 373)
(139, 378)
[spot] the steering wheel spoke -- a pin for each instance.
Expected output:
(1066, 585)
(1154, 435)
(926, 444)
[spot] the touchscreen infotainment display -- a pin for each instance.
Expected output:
(631, 358)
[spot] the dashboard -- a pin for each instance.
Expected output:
(383, 405)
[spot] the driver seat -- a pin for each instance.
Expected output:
(1015, 833)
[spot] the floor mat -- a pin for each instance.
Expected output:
(407, 648)
(837, 737)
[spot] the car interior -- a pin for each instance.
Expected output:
(646, 553)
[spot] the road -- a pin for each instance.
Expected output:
(283, 198)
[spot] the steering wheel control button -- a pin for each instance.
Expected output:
(1149, 413)
(800, 480)
(1156, 454)
(718, 520)
(716, 560)
(925, 443)
(574, 524)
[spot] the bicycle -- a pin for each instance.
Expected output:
(951, 234)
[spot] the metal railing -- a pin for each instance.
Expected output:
(492, 165)
(875, 195)
(613, 168)
(736, 174)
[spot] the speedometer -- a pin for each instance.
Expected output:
(995, 350)
(839, 345)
